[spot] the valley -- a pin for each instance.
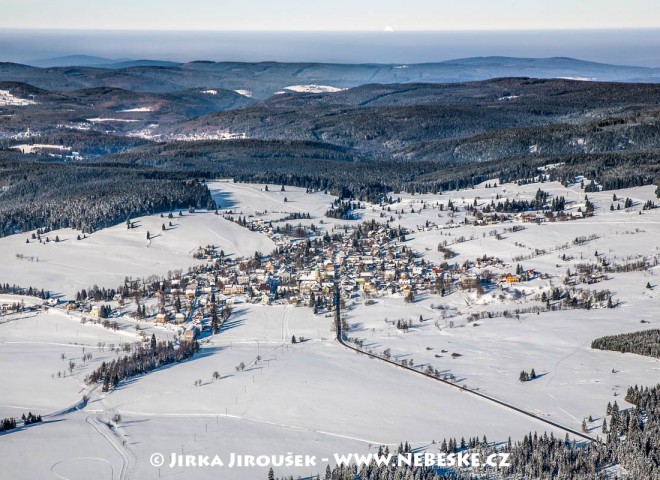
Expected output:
(320, 259)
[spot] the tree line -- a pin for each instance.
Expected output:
(646, 342)
(142, 360)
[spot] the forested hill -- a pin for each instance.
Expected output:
(56, 195)
(362, 142)
(263, 79)
(315, 165)
(453, 123)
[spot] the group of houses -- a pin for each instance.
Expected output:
(369, 260)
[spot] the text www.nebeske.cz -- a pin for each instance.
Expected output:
(419, 459)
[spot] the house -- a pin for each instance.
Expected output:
(234, 289)
(529, 217)
(366, 276)
(9, 307)
(285, 276)
(162, 318)
(179, 318)
(470, 281)
(306, 282)
(369, 287)
(191, 333)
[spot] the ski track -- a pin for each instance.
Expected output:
(128, 462)
(52, 468)
(254, 420)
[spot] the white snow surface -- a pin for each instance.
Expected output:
(108, 256)
(31, 148)
(317, 397)
(9, 100)
(313, 89)
(137, 109)
(105, 120)
(580, 79)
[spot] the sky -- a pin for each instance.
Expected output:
(334, 15)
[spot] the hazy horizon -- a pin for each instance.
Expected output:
(638, 47)
(342, 15)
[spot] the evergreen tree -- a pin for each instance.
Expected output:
(214, 319)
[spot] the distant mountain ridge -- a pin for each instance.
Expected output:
(100, 62)
(263, 79)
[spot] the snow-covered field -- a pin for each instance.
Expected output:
(313, 89)
(108, 256)
(317, 397)
(217, 135)
(31, 148)
(273, 204)
(64, 448)
(137, 109)
(106, 120)
(575, 381)
(317, 385)
(33, 344)
(9, 100)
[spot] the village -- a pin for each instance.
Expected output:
(358, 249)
(363, 260)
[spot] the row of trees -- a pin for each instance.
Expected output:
(10, 423)
(6, 288)
(142, 360)
(7, 424)
(526, 377)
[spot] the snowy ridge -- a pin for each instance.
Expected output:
(313, 89)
